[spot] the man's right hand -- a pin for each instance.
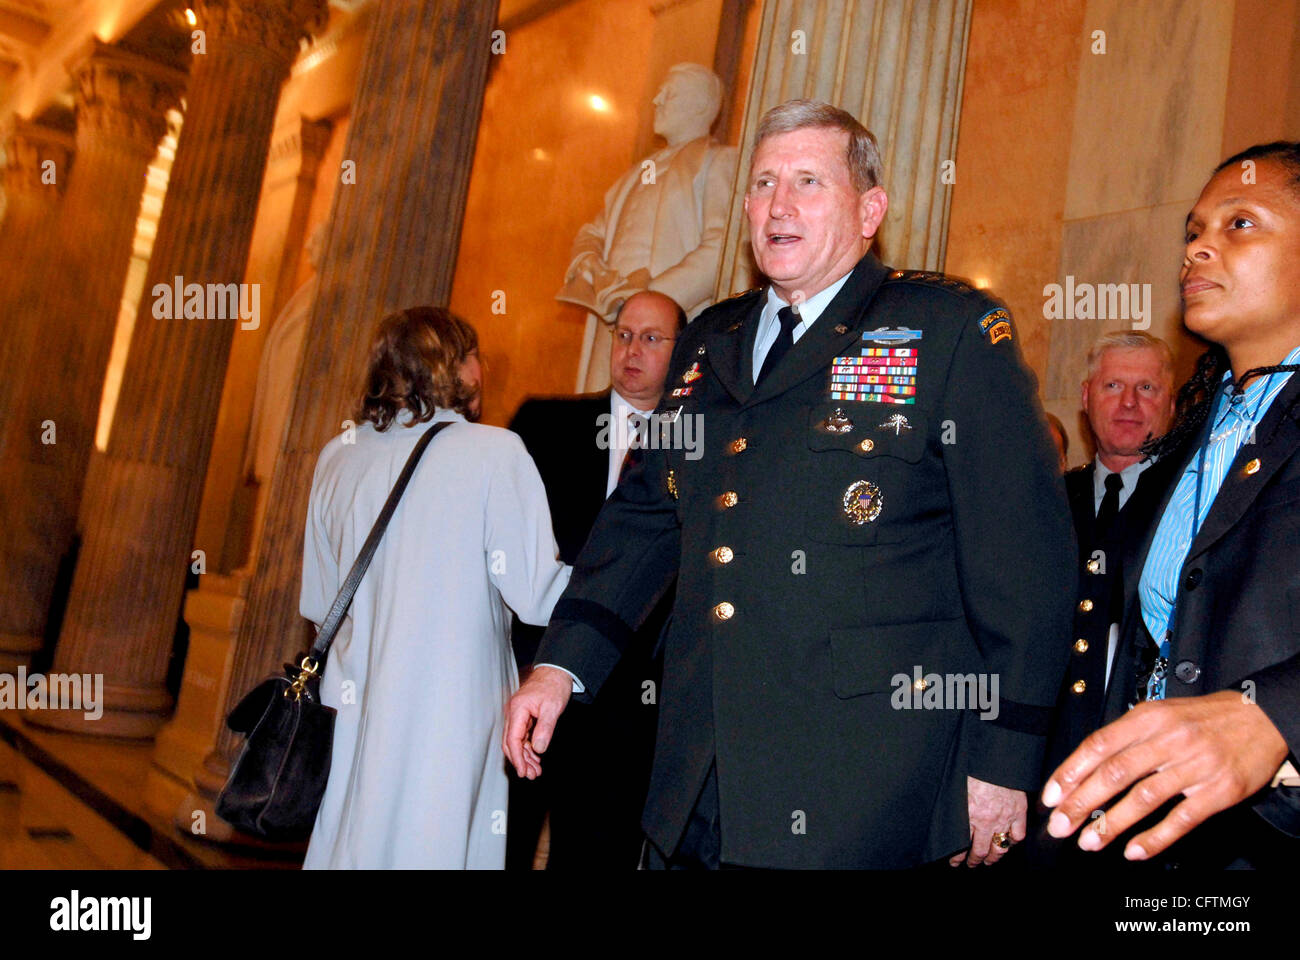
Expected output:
(530, 718)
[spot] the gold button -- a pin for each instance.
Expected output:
(1252, 467)
(866, 446)
(1079, 686)
(730, 498)
(739, 444)
(723, 554)
(1081, 645)
(1094, 566)
(724, 610)
(1085, 606)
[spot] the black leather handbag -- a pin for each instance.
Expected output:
(276, 785)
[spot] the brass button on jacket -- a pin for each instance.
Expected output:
(724, 611)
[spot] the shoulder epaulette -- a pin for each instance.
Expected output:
(929, 277)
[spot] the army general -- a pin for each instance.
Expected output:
(876, 529)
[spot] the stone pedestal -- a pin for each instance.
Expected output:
(63, 322)
(393, 241)
(897, 66)
(139, 518)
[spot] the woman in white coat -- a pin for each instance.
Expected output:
(421, 670)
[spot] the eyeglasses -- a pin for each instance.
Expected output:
(626, 337)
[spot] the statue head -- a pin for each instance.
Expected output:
(687, 103)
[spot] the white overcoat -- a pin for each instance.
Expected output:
(422, 668)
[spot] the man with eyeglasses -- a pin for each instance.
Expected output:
(581, 446)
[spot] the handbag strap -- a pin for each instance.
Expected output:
(334, 619)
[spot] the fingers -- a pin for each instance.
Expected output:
(512, 740)
(1097, 748)
(1181, 819)
(1146, 796)
(1020, 826)
(981, 844)
(1107, 779)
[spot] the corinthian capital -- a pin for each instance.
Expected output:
(125, 96)
(275, 26)
(28, 149)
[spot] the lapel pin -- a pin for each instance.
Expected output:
(840, 328)
(1252, 468)
(898, 423)
(837, 422)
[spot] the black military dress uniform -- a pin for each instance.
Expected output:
(824, 548)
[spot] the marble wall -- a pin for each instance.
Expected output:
(1078, 163)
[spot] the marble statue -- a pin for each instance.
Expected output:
(663, 221)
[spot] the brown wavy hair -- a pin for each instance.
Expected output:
(414, 364)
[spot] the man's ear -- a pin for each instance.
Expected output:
(872, 207)
(1083, 399)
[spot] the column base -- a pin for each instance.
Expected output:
(17, 651)
(124, 711)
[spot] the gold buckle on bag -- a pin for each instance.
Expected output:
(299, 684)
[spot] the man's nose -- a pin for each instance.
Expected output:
(1129, 397)
(782, 202)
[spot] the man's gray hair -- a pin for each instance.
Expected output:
(1129, 340)
(863, 155)
(708, 82)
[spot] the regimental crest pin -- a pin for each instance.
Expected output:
(862, 502)
(693, 374)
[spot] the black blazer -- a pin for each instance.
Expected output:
(1100, 597)
(788, 654)
(1237, 616)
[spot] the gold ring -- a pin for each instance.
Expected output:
(1002, 840)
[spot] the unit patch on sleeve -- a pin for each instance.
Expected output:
(996, 325)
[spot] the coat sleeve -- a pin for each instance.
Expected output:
(626, 566)
(1277, 691)
(520, 552)
(320, 568)
(1015, 550)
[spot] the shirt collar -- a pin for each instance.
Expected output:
(1252, 397)
(1128, 476)
(811, 308)
(620, 407)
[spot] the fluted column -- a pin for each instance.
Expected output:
(392, 243)
(896, 65)
(139, 516)
(65, 313)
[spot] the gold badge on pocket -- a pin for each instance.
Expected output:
(862, 502)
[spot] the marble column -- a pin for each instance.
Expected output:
(897, 66)
(393, 240)
(38, 159)
(139, 516)
(65, 315)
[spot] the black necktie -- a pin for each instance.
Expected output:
(1109, 504)
(634, 441)
(784, 341)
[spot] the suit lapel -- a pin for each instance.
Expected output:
(598, 471)
(824, 340)
(1240, 488)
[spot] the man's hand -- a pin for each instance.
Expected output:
(1215, 750)
(992, 809)
(530, 718)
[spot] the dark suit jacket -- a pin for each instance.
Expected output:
(1100, 597)
(1237, 616)
(598, 766)
(779, 661)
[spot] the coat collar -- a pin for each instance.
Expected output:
(731, 349)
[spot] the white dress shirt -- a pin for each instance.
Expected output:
(620, 435)
(808, 312)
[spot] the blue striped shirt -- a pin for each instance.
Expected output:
(1234, 424)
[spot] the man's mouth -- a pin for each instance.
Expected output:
(780, 239)
(1194, 284)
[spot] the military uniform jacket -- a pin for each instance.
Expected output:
(796, 632)
(1100, 597)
